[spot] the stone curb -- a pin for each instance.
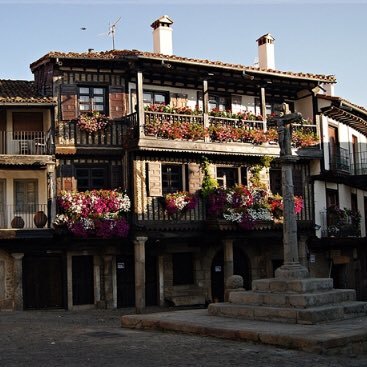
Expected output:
(321, 339)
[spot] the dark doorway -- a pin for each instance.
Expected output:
(43, 282)
(339, 275)
(240, 267)
(125, 281)
(151, 280)
(83, 280)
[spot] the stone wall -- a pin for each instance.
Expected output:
(6, 281)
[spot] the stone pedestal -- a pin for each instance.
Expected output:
(298, 301)
(18, 278)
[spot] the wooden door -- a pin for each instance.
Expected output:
(83, 280)
(43, 282)
(217, 277)
(240, 267)
(125, 281)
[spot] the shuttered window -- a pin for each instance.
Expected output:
(171, 178)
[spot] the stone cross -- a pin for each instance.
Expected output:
(291, 267)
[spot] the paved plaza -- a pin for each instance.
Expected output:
(95, 338)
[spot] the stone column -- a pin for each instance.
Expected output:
(139, 253)
(291, 267)
(108, 280)
(18, 281)
(228, 259)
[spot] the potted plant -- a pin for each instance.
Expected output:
(179, 202)
(92, 122)
(95, 213)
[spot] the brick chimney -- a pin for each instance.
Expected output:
(162, 35)
(266, 51)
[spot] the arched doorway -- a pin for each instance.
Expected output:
(241, 266)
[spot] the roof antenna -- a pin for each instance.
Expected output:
(111, 31)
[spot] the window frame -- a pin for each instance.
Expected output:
(90, 168)
(153, 94)
(181, 179)
(92, 95)
(28, 206)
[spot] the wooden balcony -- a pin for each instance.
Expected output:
(204, 134)
(70, 139)
(153, 217)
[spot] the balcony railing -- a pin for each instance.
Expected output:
(24, 216)
(196, 127)
(68, 133)
(339, 160)
(25, 142)
(339, 224)
(359, 165)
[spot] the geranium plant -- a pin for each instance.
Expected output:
(179, 202)
(92, 122)
(99, 213)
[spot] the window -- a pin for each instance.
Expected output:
(272, 107)
(353, 202)
(151, 97)
(332, 198)
(171, 178)
(89, 178)
(227, 176)
(276, 181)
(92, 99)
(221, 103)
(183, 268)
(25, 195)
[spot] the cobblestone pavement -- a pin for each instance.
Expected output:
(94, 338)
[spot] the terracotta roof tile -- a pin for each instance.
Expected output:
(118, 54)
(21, 92)
(343, 100)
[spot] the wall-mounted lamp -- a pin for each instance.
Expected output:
(246, 76)
(166, 65)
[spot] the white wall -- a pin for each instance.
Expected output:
(304, 105)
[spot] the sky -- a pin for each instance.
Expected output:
(323, 37)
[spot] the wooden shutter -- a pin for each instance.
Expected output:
(68, 180)
(154, 179)
(178, 100)
(117, 103)
(69, 102)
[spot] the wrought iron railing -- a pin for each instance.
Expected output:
(359, 164)
(25, 142)
(339, 159)
(25, 216)
(340, 223)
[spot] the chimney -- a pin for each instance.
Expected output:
(162, 35)
(266, 51)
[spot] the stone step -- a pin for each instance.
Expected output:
(314, 315)
(292, 285)
(296, 300)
